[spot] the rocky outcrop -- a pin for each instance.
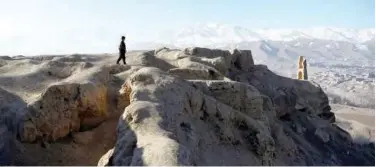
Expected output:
(195, 62)
(180, 107)
(62, 109)
(70, 106)
(239, 96)
(289, 95)
(192, 118)
(260, 118)
(242, 60)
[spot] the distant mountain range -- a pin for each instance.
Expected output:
(276, 47)
(202, 34)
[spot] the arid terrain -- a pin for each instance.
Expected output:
(194, 106)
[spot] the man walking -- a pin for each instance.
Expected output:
(122, 50)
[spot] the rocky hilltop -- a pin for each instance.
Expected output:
(195, 106)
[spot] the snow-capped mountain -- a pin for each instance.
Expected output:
(273, 47)
(209, 34)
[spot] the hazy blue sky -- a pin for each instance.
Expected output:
(48, 20)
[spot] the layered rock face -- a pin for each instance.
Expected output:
(65, 107)
(71, 122)
(259, 118)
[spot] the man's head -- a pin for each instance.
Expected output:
(122, 38)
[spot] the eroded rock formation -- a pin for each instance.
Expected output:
(262, 119)
(178, 107)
